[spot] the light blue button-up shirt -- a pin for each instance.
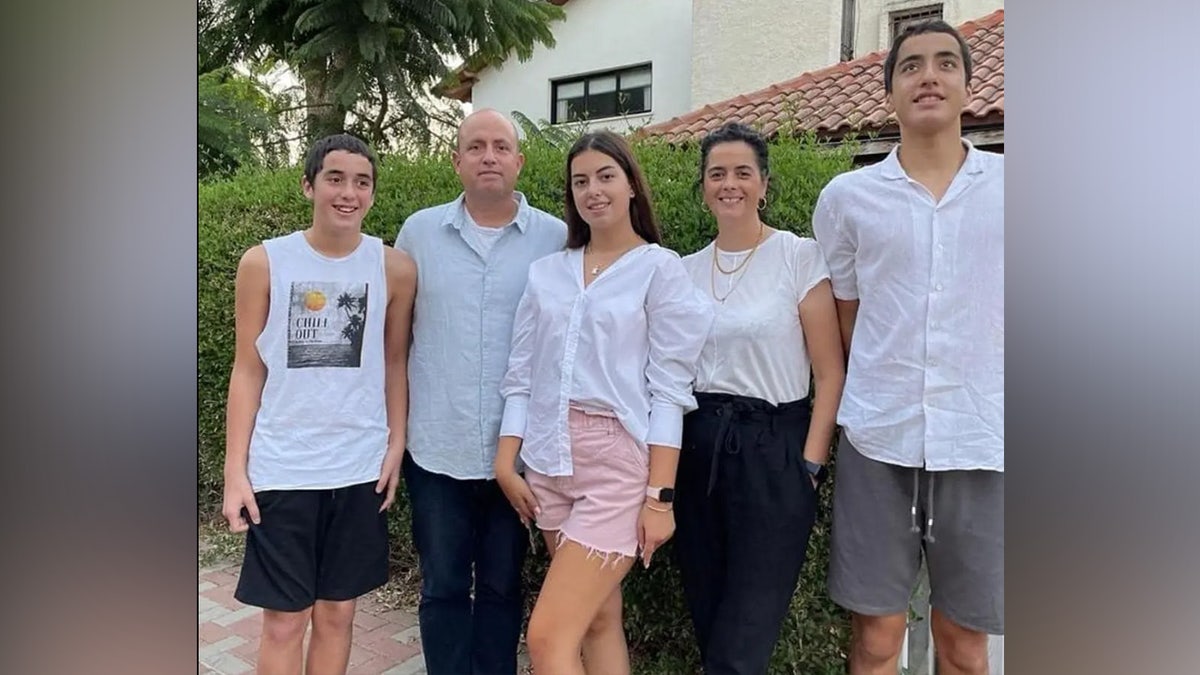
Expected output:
(462, 329)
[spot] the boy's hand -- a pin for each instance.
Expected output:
(389, 477)
(239, 496)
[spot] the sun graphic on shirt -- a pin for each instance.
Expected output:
(314, 301)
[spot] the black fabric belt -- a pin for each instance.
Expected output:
(744, 411)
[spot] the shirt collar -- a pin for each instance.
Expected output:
(892, 170)
(457, 216)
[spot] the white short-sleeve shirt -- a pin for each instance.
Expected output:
(756, 346)
(925, 383)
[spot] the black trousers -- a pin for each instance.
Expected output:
(744, 510)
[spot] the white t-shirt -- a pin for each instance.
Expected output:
(485, 238)
(756, 346)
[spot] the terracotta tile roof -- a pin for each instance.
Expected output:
(849, 96)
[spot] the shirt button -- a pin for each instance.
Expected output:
(933, 363)
(938, 287)
(935, 325)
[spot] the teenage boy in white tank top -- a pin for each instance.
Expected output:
(317, 412)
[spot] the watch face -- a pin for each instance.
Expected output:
(818, 471)
(666, 495)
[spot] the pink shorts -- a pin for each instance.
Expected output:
(598, 506)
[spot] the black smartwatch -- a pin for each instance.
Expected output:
(817, 471)
(665, 495)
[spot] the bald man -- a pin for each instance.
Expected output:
(472, 257)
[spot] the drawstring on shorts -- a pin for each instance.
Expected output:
(928, 506)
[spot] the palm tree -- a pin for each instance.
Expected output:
(386, 51)
(353, 331)
(346, 302)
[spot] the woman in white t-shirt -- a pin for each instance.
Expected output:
(754, 451)
(604, 350)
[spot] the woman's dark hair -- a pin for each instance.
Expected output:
(731, 132)
(641, 209)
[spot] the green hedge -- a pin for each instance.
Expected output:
(235, 214)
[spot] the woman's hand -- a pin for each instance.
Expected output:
(519, 495)
(656, 524)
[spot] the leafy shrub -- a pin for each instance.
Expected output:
(235, 214)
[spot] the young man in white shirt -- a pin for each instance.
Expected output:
(473, 256)
(915, 246)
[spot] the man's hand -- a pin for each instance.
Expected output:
(239, 495)
(519, 495)
(389, 476)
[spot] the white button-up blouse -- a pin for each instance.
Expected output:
(628, 343)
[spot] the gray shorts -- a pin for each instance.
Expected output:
(877, 541)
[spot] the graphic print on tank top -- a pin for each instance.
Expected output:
(326, 321)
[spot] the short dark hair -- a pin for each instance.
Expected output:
(732, 132)
(352, 144)
(641, 208)
(921, 28)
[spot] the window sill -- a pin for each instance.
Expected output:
(634, 120)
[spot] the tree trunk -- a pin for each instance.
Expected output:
(325, 116)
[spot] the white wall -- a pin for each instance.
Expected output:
(599, 35)
(873, 30)
(744, 45)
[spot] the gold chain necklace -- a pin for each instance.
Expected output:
(746, 260)
(712, 274)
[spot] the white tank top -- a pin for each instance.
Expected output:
(323, 419)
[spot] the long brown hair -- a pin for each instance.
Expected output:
(641, 209)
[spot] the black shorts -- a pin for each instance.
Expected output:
(314, 545)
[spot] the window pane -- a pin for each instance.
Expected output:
(901, 20)
(604, 104)
(602, 84)
(568, 101)
(635, 101)
(632, 79)
(569, 90)
(569, 109)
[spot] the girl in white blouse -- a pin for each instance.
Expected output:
(604, 350)
(755, 449)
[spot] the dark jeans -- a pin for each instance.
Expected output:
(744, 510)
(466, 530)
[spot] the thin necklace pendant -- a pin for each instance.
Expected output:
(740, 267)
(712, 282)
(595, 270)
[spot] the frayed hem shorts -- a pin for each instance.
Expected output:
(599, 504)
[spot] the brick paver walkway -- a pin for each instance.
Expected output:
(386, 642)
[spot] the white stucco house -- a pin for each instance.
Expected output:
(624, 64)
